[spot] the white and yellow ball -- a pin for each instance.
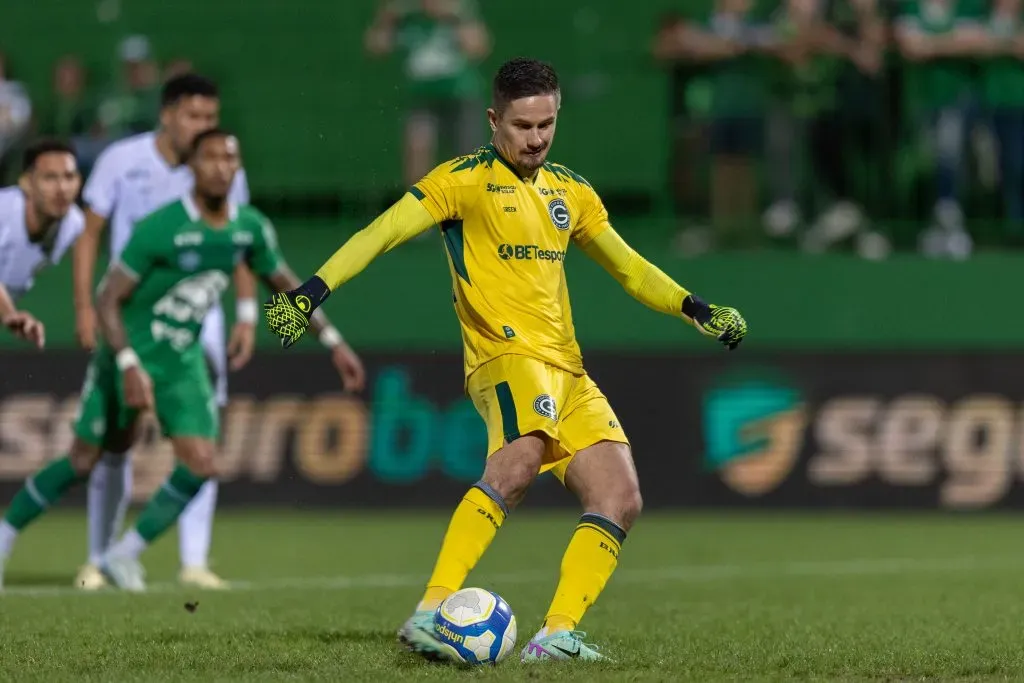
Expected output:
(476, 626)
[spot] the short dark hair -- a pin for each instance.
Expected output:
(208, 135)
(46, 146)
(187, 85)
(522, 77)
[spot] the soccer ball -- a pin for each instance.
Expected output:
(476, 626)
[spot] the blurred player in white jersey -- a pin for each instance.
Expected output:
(38, 224)
(130, 180)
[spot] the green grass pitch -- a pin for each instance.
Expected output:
(696, 597)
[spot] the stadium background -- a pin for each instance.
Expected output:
(865, 383)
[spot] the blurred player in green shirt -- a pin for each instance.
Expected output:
(177, 264)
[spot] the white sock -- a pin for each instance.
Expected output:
(8, 535)
(98, 539)
(109, 494)
(127, 480)
(195, 527)
(131, 545)
(110, 490)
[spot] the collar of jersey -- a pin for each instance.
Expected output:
(506, 164)
(193, 211)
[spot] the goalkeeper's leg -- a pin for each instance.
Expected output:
(604, 478)
(507, 476)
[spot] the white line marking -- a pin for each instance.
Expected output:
(683, 573)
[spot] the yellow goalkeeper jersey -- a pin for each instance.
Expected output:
(507, 240)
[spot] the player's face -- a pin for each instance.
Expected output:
(215, 164)
(53, 184)
(524, 130)
(187, 119)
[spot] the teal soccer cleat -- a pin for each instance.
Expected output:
(417, 635)
(562, 645)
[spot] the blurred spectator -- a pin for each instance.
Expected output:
(687, 114)
(938, 38)
(830, 95)
(442, 42)
(15, 119)
(863, 111)
(177, 67)
(71, 116)
(131, 105)
(730, 46)
(805, 123)
(1002, 94)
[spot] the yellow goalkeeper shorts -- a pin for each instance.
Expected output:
(518, 395)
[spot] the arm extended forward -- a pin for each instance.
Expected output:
(289, 313)
(650, 286)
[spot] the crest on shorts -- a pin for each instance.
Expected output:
(545, 405)
(558, 210)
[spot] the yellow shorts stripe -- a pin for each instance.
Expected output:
(507, 407)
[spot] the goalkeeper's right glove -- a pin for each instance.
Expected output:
(724, 324)
(288, 313)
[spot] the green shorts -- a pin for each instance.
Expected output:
(185, 402)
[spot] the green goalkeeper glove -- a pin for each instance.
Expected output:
(288, 313)
(724, 324)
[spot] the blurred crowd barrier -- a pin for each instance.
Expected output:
(728, 124)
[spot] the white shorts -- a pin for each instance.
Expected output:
(214, 340)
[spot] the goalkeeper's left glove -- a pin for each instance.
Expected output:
(724, 324)
(288, 313)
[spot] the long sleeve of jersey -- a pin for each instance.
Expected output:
(643, 280)
(404, 220)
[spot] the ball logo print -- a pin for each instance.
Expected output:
(545, 405)
(505, 251)
(303, 303)
(466, 607)
(559, 212)
(475, 626)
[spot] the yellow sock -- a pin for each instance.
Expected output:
(471, 530)
(587, 565)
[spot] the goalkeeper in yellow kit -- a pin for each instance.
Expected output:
(507, 216)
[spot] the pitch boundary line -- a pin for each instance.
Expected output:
(671, 574)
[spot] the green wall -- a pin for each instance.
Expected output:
(403, 300)
(316, 114)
